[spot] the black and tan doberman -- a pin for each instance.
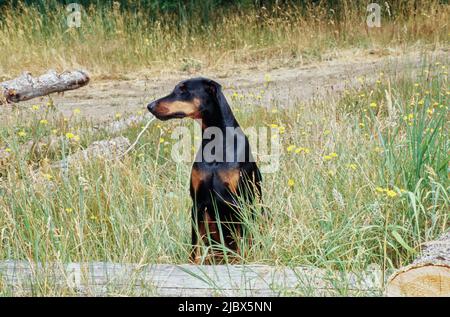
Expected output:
(223, 180)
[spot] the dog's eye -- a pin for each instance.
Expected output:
(182, 88)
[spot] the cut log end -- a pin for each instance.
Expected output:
(428, 275)
(424, 280)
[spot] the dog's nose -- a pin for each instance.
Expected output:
(151, 106)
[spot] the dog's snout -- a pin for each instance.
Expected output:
(151, 106)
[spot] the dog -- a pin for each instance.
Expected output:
(223, 183)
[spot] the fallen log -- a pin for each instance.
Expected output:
(106, 279)
(428, 275)
(104, 149)
(26, 87)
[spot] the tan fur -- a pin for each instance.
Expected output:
(189, 108)
(230, 178)
(197, 177)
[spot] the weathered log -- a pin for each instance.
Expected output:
(105, 149)
(428, 275)
(26, 87)
(100, 279)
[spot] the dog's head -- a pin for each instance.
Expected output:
(198, 98)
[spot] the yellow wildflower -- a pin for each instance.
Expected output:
(291, 182)
(47, 176)
(34, 107)
(373, 104)
(290, 148)
(70, 135)
(22, 133)
(43, 121)
(390, 193)
(379, 189)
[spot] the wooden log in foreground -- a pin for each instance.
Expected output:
(101, 279)
(26, 87)
(428, 275)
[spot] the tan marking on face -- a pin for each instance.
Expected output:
(189, 108)
(230, 178)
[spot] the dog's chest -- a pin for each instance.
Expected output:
(217, 180)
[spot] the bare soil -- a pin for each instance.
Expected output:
(102, 99)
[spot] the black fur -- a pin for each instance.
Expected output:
(215, 206)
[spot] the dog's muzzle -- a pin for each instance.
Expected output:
(151, 106)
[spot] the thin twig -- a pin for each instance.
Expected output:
(137, 139)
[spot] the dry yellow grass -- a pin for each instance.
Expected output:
(111, 41)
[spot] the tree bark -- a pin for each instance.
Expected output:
(428, 275)
(26, 87)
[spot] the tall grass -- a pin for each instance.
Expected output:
(116, 38)
(362, 181)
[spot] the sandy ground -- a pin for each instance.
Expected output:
(102, 99)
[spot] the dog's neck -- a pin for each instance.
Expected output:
(220, 115)
(222, 121)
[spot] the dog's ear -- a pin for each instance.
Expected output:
(216, 92)
(213, 87)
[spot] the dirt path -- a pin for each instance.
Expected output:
(102, 99)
